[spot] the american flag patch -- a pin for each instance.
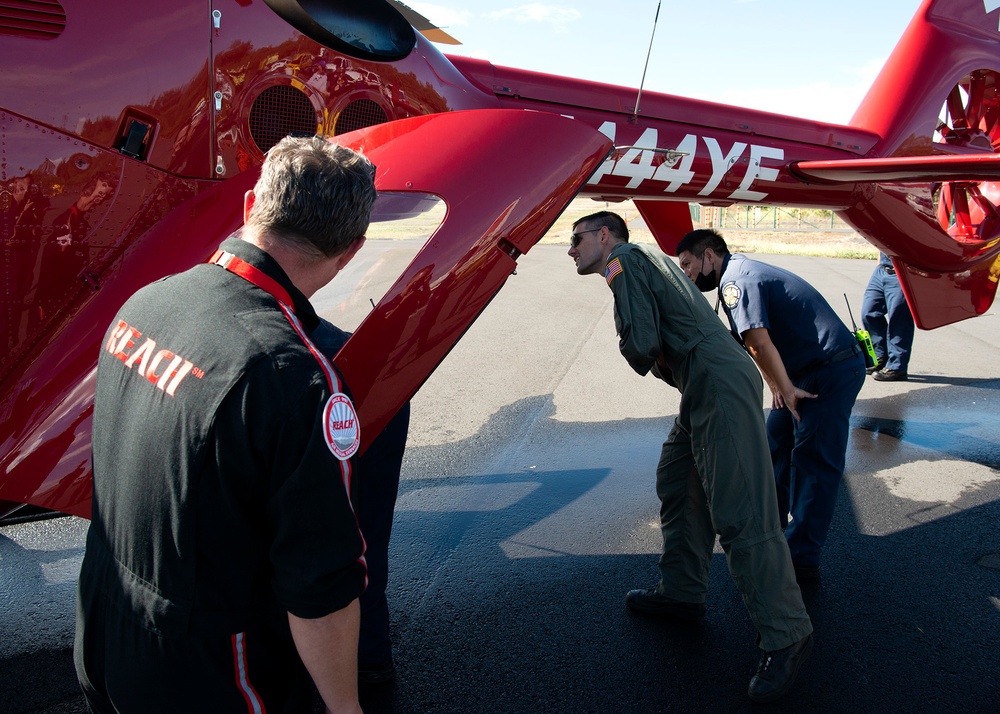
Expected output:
(614, 269)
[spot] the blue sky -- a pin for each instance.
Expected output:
(808, 58)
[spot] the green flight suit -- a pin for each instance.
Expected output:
(714, 475)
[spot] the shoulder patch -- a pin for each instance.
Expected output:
(731, 295)
(340, 426)
(613, 271)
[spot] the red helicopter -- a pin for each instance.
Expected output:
(125, 160)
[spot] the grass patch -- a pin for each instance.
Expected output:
(826, 244)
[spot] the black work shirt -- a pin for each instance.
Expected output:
(217, 502)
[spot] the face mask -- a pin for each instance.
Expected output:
(706, 283)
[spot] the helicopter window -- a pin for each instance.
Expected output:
(402, 223)
(366, 29)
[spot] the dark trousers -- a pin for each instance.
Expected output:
(376, 484)
(714, 477)
(376, 487)
(809, 455)
(887, 317)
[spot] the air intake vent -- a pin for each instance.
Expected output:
(359, 114)
(35, 19)
(279, 111)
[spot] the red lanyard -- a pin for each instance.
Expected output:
(265, 282)
(254, 275)
(339, 414)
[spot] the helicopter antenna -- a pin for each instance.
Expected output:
(635, 113)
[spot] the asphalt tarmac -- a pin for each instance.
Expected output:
(527, 510)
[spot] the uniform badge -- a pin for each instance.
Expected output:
(340, 426)
(613, 271)
(731, 295)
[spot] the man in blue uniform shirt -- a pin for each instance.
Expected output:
(814, 367)
(887, 317)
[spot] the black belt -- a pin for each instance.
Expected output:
(889, 270)
(839, 357)
(845, 354)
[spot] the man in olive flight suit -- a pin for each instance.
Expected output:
(714, 475)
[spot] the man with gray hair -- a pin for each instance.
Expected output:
(224, 561)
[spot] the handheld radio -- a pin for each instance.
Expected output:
(864, 339)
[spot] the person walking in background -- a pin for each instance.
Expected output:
(887, 317)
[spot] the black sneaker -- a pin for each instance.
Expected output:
(651, 602)
(890, 375)
(777, 671)
(878, 365)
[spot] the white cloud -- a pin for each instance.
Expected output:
(821, 101)
(824, 101)
(557, 16)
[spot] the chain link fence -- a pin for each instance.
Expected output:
(768, 218)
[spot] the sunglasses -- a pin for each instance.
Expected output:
(575, 238)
